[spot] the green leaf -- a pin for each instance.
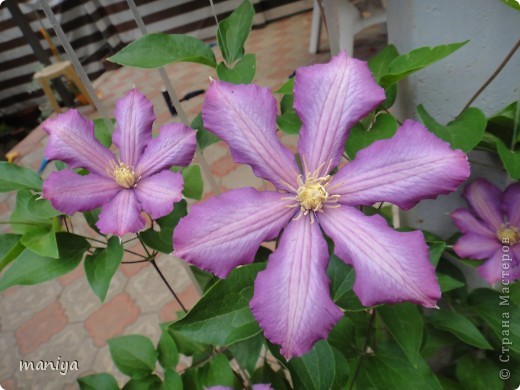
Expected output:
(478, 374)
(22, 220)
(315, 370)
(405, 323)
(193, 184)
(384, 127)
(246, 352)
(13, 178)
(459, 326)
(102, 265)
(222, 316)
(502, 124)
(233, 31)
(204, 279)
(448, 283)
(379, 63)
(157, 49)
(42, 241)
(265, 374)
(342, 277)
(217, 372)
(287, 88)
(92, 218)
(204, 137)
(436, 249)
(187, 346)
(406, 64)
(10, 248)
(512, 3)
(150, 382)
(242, 73)
(102, 132)
(30, 268)
(510, 159)
(349, 334)
(167, 350)
(103, 381)
(133, 355)
(289, 122)
(342, 370)
(465, 132)
(172, 381)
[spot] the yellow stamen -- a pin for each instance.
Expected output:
(508, 235)
(123, 174)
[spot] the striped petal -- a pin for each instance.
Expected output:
(502, 265)
(175, 145)
(244, 116)
(511, 204)
(412, 165)
(390, 266)
(134, 117)
(329, 99)
(69, 192)
(292, 301)
(476, 246)
(226, 231)
(71, 140)
(158, 193)
(468, 223)
(484, 200)
(121, 215)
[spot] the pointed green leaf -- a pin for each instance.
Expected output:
(98, 382)
(162, 240)
(315, 370)
(193, 184)
(478, 374)
(416, 60)
(10, 248)
(133, 355)
(30, 268)
(167, 350)
(42, 241)
(289, 122)
(222, 316)
(102, 132)
(102, 265)
(149, 382)
(217, 372)
(234, 30)
(92, 218)
(157, 49)
(204, 137)
(459, 326)
(384, 127)
(448, 283)
(465, 132)
(14, 177)
(287, 88)
(265, 374)
(22, 219)
(510, 159)
(172, 381)
(242, 73)
(247, 352)
(379, 63)
(406, 326)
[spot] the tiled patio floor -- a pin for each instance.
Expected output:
(63, 317)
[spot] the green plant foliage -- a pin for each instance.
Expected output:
(22, 218)
(167, 351)
(193, 184)
(242, 72)
(287, 88)
(101, 266)
(228, 321)
(98, 382)
(510, 159)
(380, 63)
(150, 382)
(217, 372)
(13, 178)
(102, 132)
(465, 132)
(133, 355)
(316, 369)
(204, 137)
(42, 241)
(342, 277)
(246, 352)
(10, 248)
(30, 268)
(359, 138)
(157, 49)
(406, 64)
(478, 374)
(172, 381)
(234, 30)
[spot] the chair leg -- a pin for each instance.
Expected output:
(77, 81)
(50, 95)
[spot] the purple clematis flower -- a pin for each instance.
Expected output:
(291, 300)
(491, 229)
(139, 179)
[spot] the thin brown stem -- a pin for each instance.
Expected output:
(167, 284)
(492, 77)
(136, 261)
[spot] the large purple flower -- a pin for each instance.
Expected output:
(491, 229)
(139, 180)
(292, 301)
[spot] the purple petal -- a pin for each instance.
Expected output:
(511, 204)
(174, 145)
(292, 301)
(71, 140)
(390, 266)
(226, 231)
(502, 265)
(412, 165)
(158, 193)
(69, 192)
(329, 99)
(134, 117)
(262, 386)
(468, 223)
(484, 200)
(244, 116)
(121, 215)
(476, 246)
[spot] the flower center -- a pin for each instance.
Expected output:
(312, 194)
(123, 174)
(508, 235)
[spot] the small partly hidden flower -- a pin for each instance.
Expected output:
(260, 386)
(491, 229)
(139, 179)
(291, 299)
